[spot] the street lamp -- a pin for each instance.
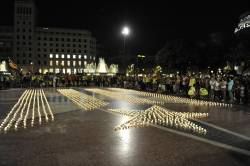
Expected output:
(141, 56)
(32, 67)
(125, 33)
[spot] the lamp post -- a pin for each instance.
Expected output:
(32, 67)
(125, 33)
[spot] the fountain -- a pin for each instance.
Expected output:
(102, 67)
(113, 69)
(90, 68)
(3, 67)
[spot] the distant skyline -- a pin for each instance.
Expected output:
(152, 25)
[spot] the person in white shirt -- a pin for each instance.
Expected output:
(217, 92)
(212, 85)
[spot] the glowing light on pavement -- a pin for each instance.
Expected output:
(122, 97)
(161, 116)
(48, 106)
(38, 108)
(20, 112)
(84, 101)
(28, 109)
(43, 106)
(170, 98)
(6, 120)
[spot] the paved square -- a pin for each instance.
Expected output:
(80, 137)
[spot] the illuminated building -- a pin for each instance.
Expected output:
(46, 48)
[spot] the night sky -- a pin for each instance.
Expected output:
(152, 24)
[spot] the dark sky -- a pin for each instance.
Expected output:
(152, 22)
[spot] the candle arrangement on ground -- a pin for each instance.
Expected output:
(161, 116)
(126, 112)
(174, 99)
(30, 103)
(84, 101)
(120, 96)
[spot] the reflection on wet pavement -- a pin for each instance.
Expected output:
(87, 137)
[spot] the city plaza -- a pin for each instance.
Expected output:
(114, 126)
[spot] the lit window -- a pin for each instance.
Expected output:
(62, 56)
(85, 63)
(57, 70)
(68, 56)
(79, 56)
(51, 63)
(63, 70)
(85, 56)
(74, 56)
(94, 58)
(80, 70)
(51, 55)
(74, 71)
(68, 71)
(74, 63)
(68, 63)
(90, 57)
(57, 63)
(62, 63)
(45, 71)
(79, 63)
(51, 70)
(57, 56)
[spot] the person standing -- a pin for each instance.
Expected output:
(177, 84)
(224, 89)
(54, 81)
(230, 85)
(242, 93)
(1, 81)
(217, 89)
(212, 85)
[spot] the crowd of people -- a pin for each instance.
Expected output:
(215, 87)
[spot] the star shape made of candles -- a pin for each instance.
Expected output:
(161, 116)
(86, 102)
(126, 112)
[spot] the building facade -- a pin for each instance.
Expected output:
(6, 42)
(47, 49)
(63, 50)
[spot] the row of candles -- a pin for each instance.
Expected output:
(21, 112)
(174, 99)
(123, 97)
(134, 122)
(161, 116)
(84, 101)
(126, 112)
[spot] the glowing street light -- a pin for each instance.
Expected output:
(141, 56)
(125, 33)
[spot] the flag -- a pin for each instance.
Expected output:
(13, 65)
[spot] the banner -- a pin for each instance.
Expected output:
(13, 65)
